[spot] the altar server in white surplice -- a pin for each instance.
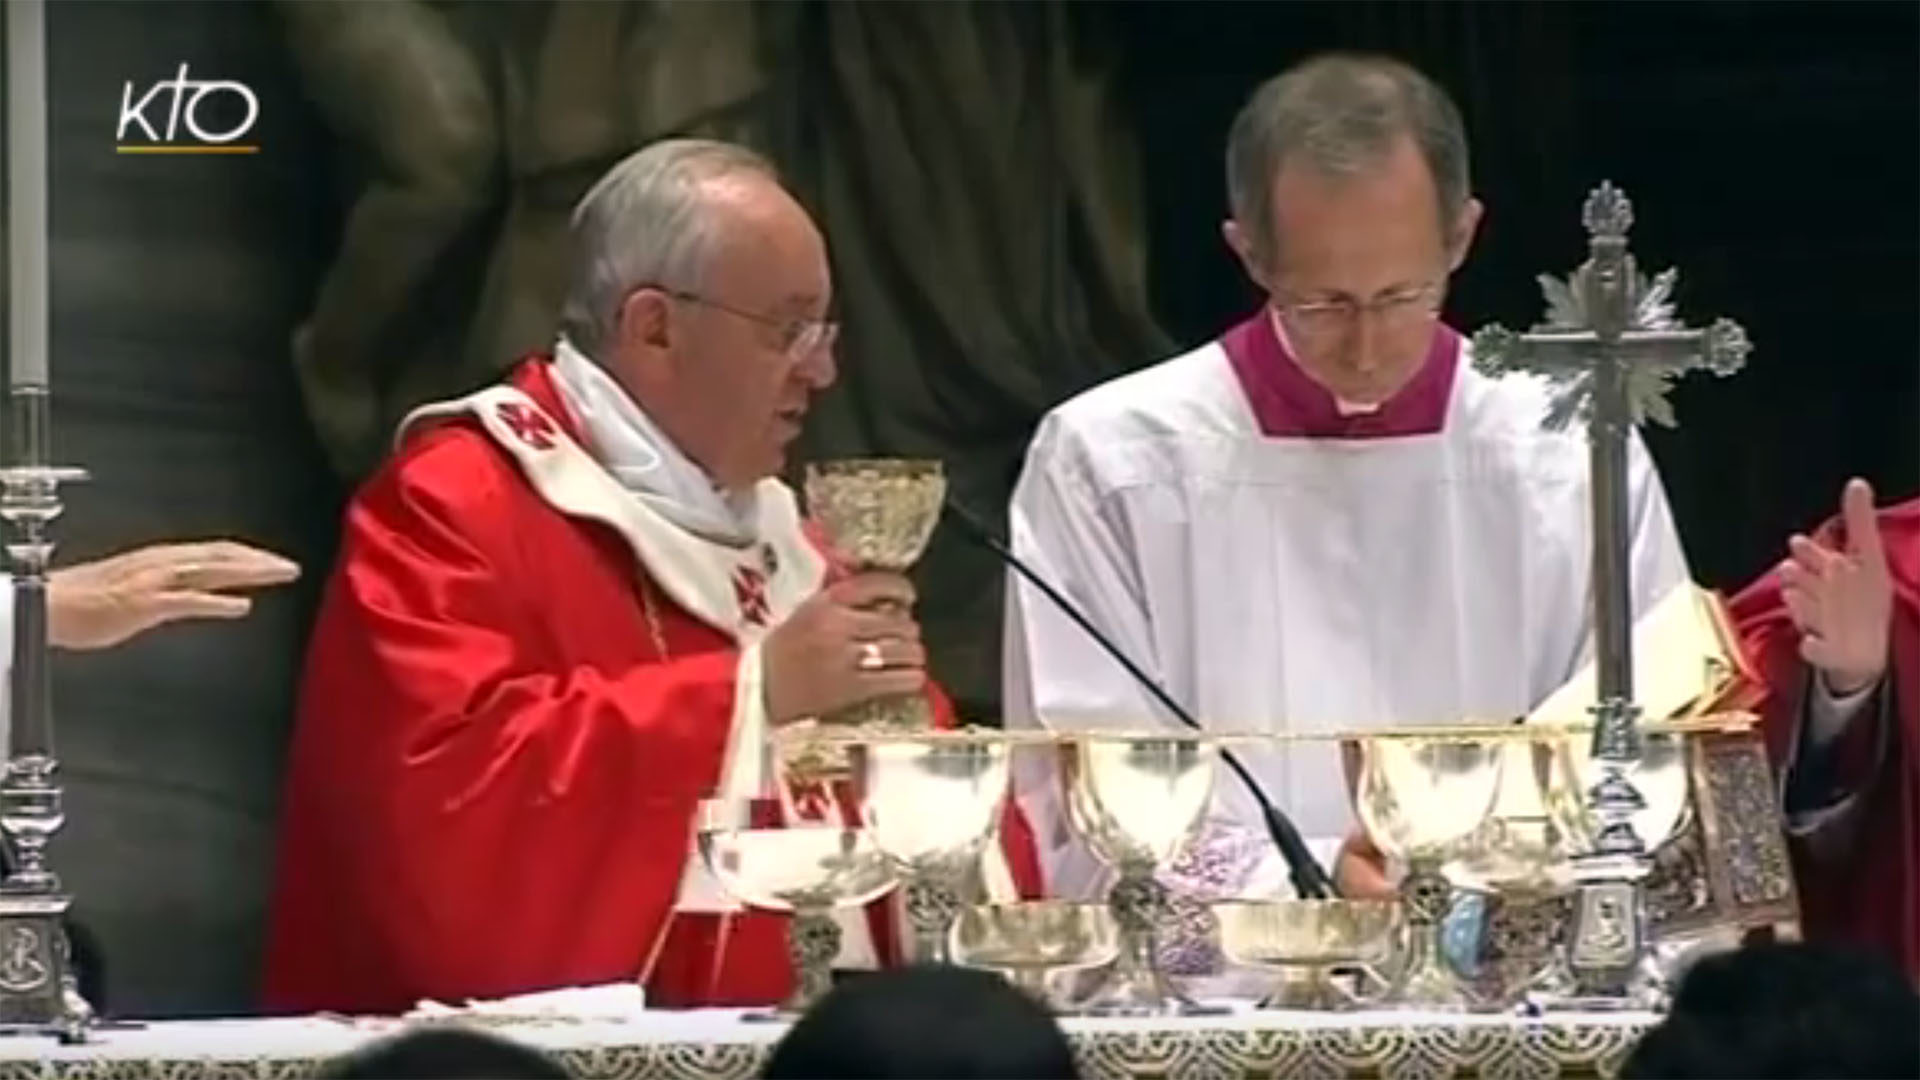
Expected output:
(1324, 519)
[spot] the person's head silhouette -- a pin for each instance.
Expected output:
(444, 1053)
(945, 1022)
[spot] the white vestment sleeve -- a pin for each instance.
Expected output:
(1055, 675)
(1659, 562)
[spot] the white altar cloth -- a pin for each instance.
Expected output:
(718, 1044)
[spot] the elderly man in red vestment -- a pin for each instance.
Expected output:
(1834, 631)
(571, 607)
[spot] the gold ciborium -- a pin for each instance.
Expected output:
(1305, 940)
(1032, 940)
(1419, 798)
(808, 868)
(932, 803)
(1136, 800)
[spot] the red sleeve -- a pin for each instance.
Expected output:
(1772, 645)
(1870, 896)
(463, 820)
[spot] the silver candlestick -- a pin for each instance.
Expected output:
(38, 994)
(38, 991)
(1613, 345)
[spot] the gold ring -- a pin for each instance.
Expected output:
(871, 659)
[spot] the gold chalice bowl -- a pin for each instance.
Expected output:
(1305, 940)
(1506, 931)
(1524, 845)
(1136, 800)
(808, 868)
(932, 803)
(1030, 941)
(1419, 798)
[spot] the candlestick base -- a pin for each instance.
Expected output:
(38, 992)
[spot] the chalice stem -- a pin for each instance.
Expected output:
(1135, 985)
(813, 940)
(1425, 981)
(932, 904)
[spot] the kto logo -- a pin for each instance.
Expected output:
(183, 115)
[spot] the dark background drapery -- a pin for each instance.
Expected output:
(1021, 199)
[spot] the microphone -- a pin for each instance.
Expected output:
(1310, 879)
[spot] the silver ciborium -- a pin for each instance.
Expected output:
(808, 868)
(1136, 800)
(1419, 798)
(931, 803)
(1305, 940)
(1030, 941)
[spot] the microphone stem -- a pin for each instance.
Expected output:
(1310, 879)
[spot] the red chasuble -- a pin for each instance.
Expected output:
(505, 728)
(1859, 878)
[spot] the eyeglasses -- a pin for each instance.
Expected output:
(798, 337)
(1327, 319)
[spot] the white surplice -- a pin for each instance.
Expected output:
(1300, 584)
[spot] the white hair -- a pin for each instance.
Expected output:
(646, 222)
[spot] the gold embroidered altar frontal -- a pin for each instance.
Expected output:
(720, 1045)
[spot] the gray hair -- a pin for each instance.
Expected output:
(1342, 113)
(646, 222)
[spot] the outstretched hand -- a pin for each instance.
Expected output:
(98, 604)
(1842, 600)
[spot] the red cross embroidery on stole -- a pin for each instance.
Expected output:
(750, 592)
(527, 423)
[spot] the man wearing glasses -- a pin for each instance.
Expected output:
(568, 609)
(1324, 519)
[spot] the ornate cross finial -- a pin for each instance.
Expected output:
(1608, 213)
(1608, 312)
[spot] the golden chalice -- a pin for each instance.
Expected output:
(932, 803)
(1136, 800)
(1419, 798)
(809, 868)
(876, 514)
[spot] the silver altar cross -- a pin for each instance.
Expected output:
(1612, 346)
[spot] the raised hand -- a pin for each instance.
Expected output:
(1842, 600)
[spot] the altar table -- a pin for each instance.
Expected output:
(721, 1045)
